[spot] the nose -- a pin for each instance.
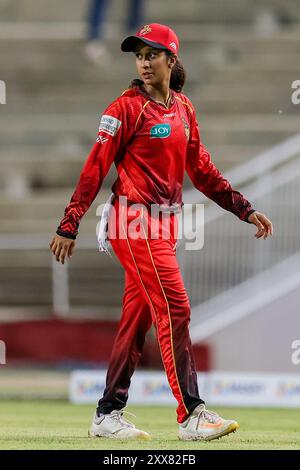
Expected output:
(145, 63)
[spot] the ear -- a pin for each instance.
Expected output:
(172, 60)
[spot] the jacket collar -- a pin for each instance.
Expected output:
(171, 100)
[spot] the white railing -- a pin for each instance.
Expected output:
(245, 299)
(231, 254)
(235, 275)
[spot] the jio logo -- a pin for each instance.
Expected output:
(160, 130)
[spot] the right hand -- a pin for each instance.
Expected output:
(62, 247)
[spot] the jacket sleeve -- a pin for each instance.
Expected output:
(207, 178)
(113, 135)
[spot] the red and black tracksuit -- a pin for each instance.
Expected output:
(151, 146)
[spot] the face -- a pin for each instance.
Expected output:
(153, 65)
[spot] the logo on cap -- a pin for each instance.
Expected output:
(145, 30)
(173, 45)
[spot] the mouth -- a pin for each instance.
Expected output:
(147, 74)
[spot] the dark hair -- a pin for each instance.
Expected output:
(177, 79)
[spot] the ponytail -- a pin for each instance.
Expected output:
(177, 79)
(178, 76)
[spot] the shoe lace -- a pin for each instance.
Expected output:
(207, 416)
(118, 416)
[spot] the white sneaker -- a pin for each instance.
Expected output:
(114, 426)
(204, 425)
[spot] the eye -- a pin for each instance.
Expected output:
(151, 55)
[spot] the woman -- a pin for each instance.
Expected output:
(151, 134)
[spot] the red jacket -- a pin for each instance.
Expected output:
(151, 146)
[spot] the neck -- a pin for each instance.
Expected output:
(159, 93)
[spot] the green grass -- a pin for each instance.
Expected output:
(60, 425)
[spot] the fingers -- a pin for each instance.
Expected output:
(63, 253)
(261, 231)
(52, 242)
(269, 227)
(60, 252)
(269, 230)
(263, 221)
(264, 225)
(57, 250)
(61, 248)
(71, 249)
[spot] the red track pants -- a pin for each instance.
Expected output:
(154, 293)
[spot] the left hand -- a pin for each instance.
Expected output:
(264, 225)
(62, 247)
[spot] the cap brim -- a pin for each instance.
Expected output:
(129, 44)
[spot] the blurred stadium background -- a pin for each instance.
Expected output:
(241, 57)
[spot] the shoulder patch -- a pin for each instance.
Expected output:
(109, 124)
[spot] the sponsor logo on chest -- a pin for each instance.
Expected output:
(160, 131)
(169, 115)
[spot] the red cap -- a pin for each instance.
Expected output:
(155, 35)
